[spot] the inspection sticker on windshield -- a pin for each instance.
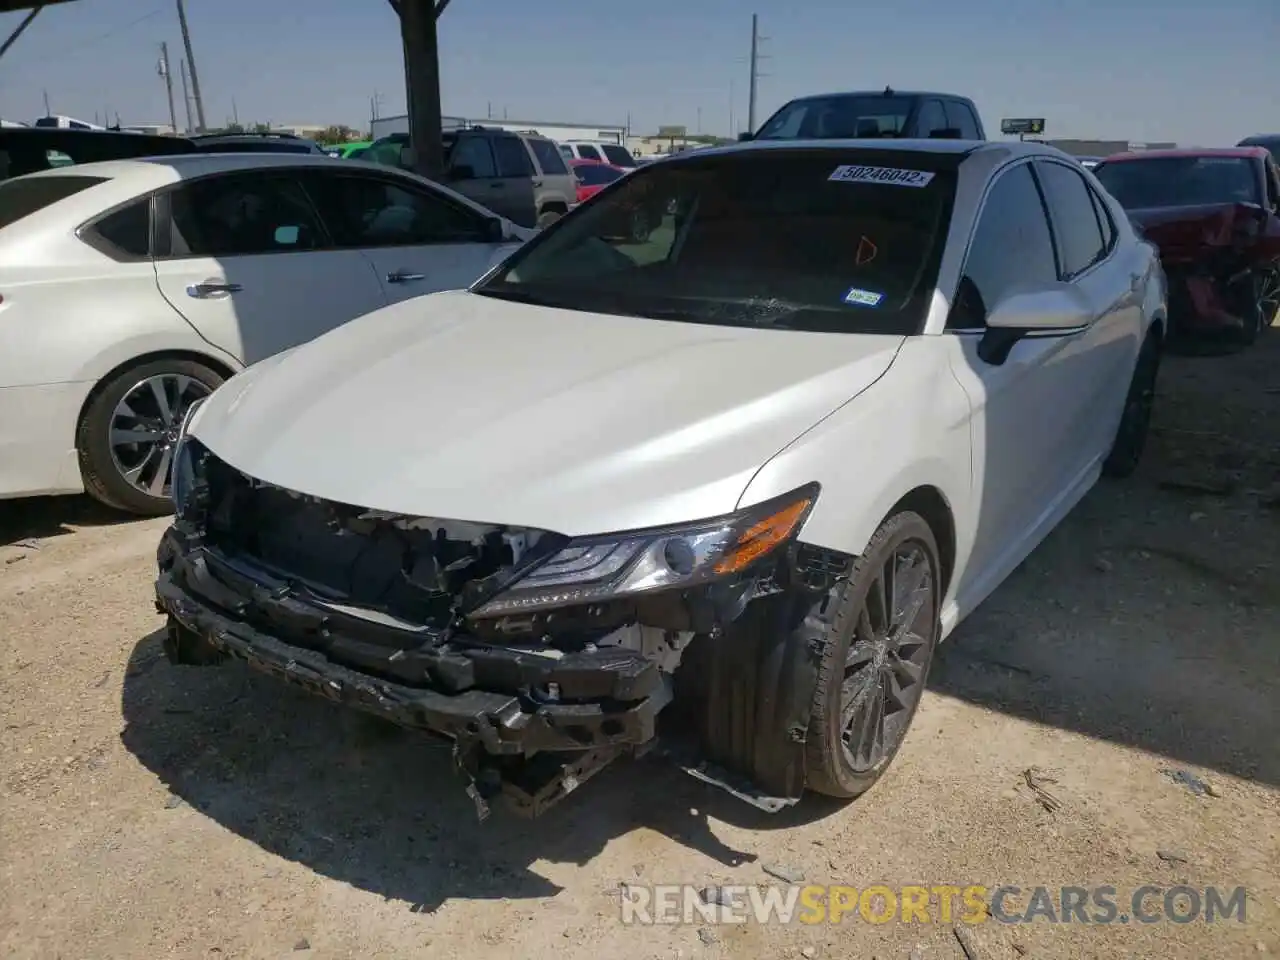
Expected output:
(856, 173)
(863, 298)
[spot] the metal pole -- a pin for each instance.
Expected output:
(168, 85)
(26, 22)
(47, 111)
(755, 54)
(186, 97)
(191, 65)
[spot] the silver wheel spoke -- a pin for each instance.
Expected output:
(135, 436)
(162, 399)
(144, 429)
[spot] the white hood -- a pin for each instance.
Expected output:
(465, 407)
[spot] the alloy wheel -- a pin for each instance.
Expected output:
(888, 657)
(1268, 290)
(145, 426)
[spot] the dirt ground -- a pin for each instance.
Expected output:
(149, 811)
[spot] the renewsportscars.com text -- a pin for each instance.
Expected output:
(943, 903)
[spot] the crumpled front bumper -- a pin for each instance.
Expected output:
(507, 702)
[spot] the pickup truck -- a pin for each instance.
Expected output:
(870, 114)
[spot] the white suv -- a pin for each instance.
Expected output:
(612, 153)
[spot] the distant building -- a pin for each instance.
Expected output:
(552, 129)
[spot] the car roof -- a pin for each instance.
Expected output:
(1014, 148)
(1240, 153)
(881, 93)
(1258, 139)
(148, 173)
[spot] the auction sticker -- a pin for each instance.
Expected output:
(893, 176)
(863, 298)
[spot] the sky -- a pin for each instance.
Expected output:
(1190, 71)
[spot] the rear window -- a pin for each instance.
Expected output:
(620, 156)
(595, 174)
(1179, 181)
(23, 197)
(548, 155)
(831, 241)
(839, 117)
(254, 146)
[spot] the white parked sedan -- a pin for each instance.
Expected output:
(129, 289)
(738, 473)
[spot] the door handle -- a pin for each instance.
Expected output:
(496, 186)
(537, 183)
(401, 276)
(1135, 282)
(212, 289)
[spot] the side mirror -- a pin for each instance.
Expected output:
(1057, 307)
(461, 172)
(744, 137)
(406, 158)
(495, 230)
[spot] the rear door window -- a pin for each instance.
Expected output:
(588, 152)
(548, 156)
(513, 158)
(241, 214)
(21, 198)
(472, 159)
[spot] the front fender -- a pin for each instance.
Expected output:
(909, 430)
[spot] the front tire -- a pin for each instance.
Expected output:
(875, 659)
(1135, 422)
(128, 431)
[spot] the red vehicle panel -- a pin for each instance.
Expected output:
(1213, 216)
(593, 176)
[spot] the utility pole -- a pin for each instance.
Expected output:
(191, 65)
(163, 69)
(756, 57)
(235, 114)
(47, 111)
(733, 126)
(186, 97)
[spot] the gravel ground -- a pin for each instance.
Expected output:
(149, 811)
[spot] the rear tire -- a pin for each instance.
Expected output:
(107, 468)
(1135, 422)
(875, 653)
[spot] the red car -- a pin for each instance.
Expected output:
(593, 176)
(1213, 215)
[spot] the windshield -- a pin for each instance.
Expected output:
(618, 156)
(832, 241)
(839, 117)
(264, 145)
(595, 174)
(1179, 181)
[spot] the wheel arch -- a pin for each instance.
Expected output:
(218, 366)
(933, 507)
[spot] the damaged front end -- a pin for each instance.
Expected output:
(541, 656)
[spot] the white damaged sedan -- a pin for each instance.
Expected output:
(720, 457)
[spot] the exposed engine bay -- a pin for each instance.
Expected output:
(380, 612)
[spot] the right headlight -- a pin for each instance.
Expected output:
(600, 568)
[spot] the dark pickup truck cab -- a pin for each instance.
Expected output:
(868, 114)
